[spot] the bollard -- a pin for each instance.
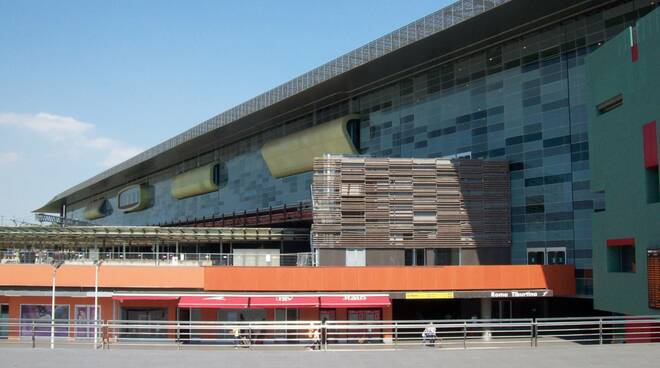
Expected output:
(465, 335)
(34, 341)
(178, 336)
(396, 334)
(106, 338)
(536, 334)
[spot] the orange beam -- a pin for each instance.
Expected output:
(109, 276)
(560, 279)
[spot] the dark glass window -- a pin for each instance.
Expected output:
(218, 175)
(129, 197)
(532, 182)
(535, 257)
(415, 257)
(446, 257)
(610, 104)
(556, 257)
(409, 260)
(599, 201)
(514, 140)
(652, 185)
(622, 259)
(353, 129)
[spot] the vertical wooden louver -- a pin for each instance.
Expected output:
(406, 202)
(653, 269)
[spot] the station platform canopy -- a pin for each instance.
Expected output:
(136, 235)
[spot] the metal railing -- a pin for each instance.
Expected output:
(42, 217)
(458, 334)
(23, 256)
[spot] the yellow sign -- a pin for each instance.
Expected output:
(430, 295)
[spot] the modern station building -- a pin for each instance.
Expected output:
(440, 171)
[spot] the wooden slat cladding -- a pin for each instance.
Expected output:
(405, 202)
(653, 269)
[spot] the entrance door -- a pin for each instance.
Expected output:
(287, 314)
(369, 333)
(502, 309)
(85, 320)
(147, 317)
(4, 315)
(328, 314)
(184, 332)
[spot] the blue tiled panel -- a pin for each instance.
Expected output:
(250, 185)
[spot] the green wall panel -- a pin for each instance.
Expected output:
(617, 161)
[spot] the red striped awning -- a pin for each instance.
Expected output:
(355, 301)
(284, 301)
(218, 302)
(123, 298)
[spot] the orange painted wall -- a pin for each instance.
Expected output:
(109, 276)
(308, 314)
(15, 303)
(560, 279)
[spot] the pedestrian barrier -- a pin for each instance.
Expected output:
(333, 335)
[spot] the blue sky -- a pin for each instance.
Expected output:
(87, 84)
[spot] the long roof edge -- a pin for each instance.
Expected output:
(435, 22)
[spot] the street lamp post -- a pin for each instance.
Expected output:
(55, 265)
(97, 263)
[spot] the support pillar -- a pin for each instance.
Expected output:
(486, 313)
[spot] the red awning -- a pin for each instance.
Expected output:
(355, 301)
(623, 242)
(224, 302)
(123, 298)
(284, 301)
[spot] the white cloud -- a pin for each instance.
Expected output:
(120, 154)
(54, 127)
(75, 135)
(8, 157)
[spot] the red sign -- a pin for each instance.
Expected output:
(284, 301)
(218, 302)
(355, 301)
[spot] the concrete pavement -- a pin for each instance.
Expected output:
(560, 356)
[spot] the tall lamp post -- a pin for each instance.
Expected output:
(97, 263)
(55, 264)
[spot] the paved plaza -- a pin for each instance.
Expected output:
(560, 356)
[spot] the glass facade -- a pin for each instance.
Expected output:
(522, 100)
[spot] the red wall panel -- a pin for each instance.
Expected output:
(650, 134)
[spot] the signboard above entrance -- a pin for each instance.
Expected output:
(538, 293)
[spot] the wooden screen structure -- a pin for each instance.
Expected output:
(376, 202)
(653, 269)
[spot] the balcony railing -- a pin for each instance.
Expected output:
(158, 258)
